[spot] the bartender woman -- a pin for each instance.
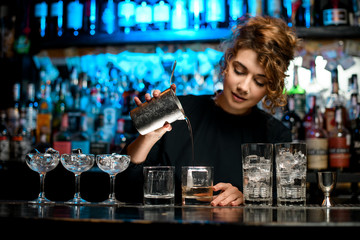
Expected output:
(253, 70)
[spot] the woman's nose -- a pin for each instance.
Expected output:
(244, 85)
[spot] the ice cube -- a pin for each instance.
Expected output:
(252, 159)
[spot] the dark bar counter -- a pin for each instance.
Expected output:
(58, 219)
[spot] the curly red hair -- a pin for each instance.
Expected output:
(275, 44)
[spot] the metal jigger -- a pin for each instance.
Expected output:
(327, 182)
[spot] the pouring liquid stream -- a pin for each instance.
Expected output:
(192, 139)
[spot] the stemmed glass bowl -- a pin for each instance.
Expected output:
(42, 163)
(77, 162)
(112, 164)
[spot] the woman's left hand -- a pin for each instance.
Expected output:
(229, 195)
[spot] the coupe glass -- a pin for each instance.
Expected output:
(42, 163)
(112, 164)
(77, 162)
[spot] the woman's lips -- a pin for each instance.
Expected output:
(238, 98)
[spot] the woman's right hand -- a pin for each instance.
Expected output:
(157, 134)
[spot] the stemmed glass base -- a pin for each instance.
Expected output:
(112, 202)
(41, 200)
(77, 201)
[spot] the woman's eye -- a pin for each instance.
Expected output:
(260, 84)
(238, 72)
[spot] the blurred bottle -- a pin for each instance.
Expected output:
(126, 15)
(237, 9)
(161, 15)
(13, 113)
(292, 120)
(196, 14)
(80, 139)
(4, 138)
(55, 19)
(355, 143)
(100, 143)
(44, 117)
(334, 100)
(143, 16)
(179, 15)
(274, 8)
(314, 88)
(62, 139)
(339, 143)
(74, 20)
(120, 138)
(287, 5)
(31, 112)
(308, 119)
(40, 14)
(317, 143)
(20, 143)
(108, 17)
(299, 94)
(256, 7)
(215, 13)
(335, 13)
(91, 17)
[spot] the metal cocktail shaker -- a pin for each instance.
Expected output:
(154, 114)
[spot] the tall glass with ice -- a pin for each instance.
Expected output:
(291, 164)
(257, 173)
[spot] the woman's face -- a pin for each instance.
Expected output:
(244, 84)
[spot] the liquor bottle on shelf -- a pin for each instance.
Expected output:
(335, 99)
(91, 17)
(55, 19)
(196, 14)
(179, 15)
(120, 138)
(31, 112)
(215, 13)
(237, 9)
(161, 15)
(317, 143)
(108, 17)
(14, 111)
(143, 16)
(99, 141)
(339, 143)
(40, 14)
(314, 88)
(74, 20)
(80, 139)
(4, 138)
(355, 143)
(335, 13)
(292, 120)
(255, 7)
(126, 15)
(44, 117)
(308, 121)
(299, 94)
(21, 139)
(62, 139)
(274, 8)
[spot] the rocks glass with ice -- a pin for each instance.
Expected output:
(197, 185)
(159, 185)
(257, 173)
(291, 164)
(77, 162)
(112, 164)
(42, 163)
